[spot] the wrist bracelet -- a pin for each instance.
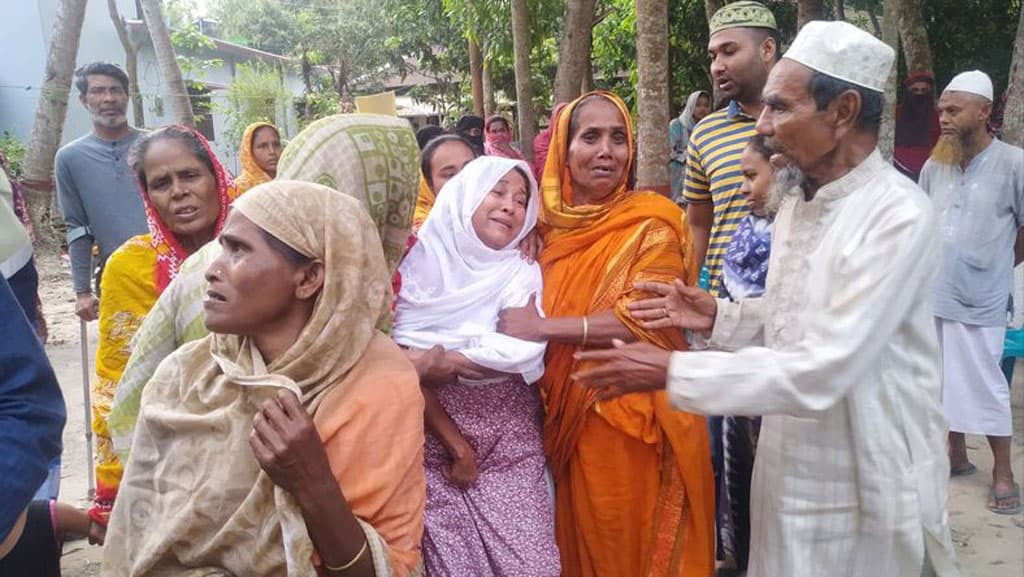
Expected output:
(586, 330)
(354, 560)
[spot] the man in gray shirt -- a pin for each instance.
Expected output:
(977, 185)
(96, 190)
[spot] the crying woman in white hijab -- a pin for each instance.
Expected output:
(482, 410)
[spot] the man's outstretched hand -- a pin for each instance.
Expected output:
(678, 305)
(623, 369)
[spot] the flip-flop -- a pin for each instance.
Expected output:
(994, 497)
(968, 469)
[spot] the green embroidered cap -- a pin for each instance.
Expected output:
(744, 14)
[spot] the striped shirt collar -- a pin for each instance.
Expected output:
(736, 113)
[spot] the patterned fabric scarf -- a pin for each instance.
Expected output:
(169, 252)
(746, 261)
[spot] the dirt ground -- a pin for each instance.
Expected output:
(988, 545)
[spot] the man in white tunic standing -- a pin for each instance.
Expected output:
(977, 185)
(840, 354)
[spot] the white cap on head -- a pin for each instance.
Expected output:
(973, 81)
(843, 51)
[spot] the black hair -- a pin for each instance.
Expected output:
(759, 144)
(270, 126)
(428, 133)
(427, 156)
(574, 119)
(137, 155)
(824, 89)
(99, 69)
(766, 33)
(294, 257)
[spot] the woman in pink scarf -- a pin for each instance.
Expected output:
(543, 141)
(498, 138)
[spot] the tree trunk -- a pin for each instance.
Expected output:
(914, 37)
(50, 111)
(131, 63)
(807, 10)
(488, 85)
(652, 95)
(574, 52)
(307, 84)
(1013, 112)
(170, 72)
(476, 77)
(891, 36)
(710, 7)
(524, 79)
(840, 10)
(874, 22)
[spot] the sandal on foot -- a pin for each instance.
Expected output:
(1005, 502)
(963, 471)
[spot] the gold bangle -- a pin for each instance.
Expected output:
(586, 330)
(349, 565)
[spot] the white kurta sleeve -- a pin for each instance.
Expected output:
(738, 325)
(864, 286)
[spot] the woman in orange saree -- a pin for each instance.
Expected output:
(633, 484)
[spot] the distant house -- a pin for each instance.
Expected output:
(25, 30)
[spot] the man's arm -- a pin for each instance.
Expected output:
(700, 215)
(79, 239)
(32, 412)
(843, 339)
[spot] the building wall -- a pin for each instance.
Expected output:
(25, 29)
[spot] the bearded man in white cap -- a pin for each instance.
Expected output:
(977, 185)
(840, 353)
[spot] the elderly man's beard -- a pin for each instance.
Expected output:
(949, 149)
(787, 180)
(109, 121)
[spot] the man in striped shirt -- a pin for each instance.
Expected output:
(744, 46)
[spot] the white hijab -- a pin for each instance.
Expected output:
(454, 286)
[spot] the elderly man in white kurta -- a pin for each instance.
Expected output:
(840, 354)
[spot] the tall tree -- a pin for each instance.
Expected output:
(170, 72)
(574, 51)
(840, 10)
(50, 111)
(914, 37)
(891, 36)
(1013, 113)
(476, 77)
(652, 95)
(807, 10)
(524, 77)
(131, 63)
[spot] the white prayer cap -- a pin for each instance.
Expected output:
(843, 51)
(973, 81)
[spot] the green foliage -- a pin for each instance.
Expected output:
(14, 150)
(256, 94)
(190, 45)
(968, 34)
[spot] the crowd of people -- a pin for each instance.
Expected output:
(375, 352)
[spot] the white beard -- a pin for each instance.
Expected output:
(108, 121)
(786, 181)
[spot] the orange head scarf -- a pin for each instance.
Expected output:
(252, 175)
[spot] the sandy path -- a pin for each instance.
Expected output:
(988, 545)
